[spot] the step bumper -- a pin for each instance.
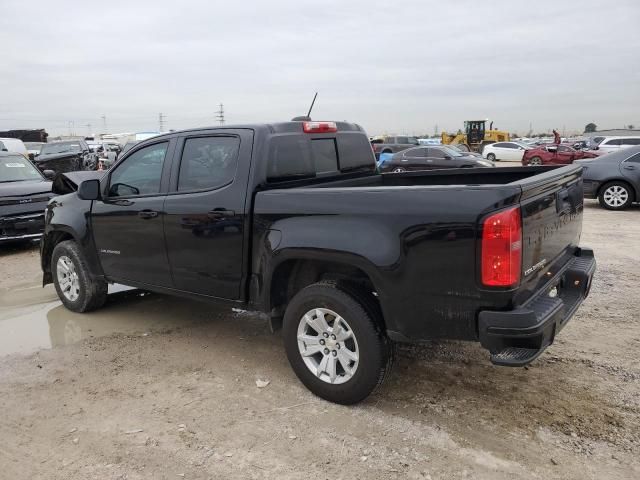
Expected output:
(517, 337)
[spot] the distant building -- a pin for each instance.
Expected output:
(614, 132)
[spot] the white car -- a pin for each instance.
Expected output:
(507, 151)
(612, 144)
(13, 145)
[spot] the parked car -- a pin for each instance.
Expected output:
(507, 151)
(24, 193)
(393, 144)
(33, 149)
(612, 144)
(614, 178)
(431, 158)
(13, 145)
(66, 156)
(554, 155)
(293, 220)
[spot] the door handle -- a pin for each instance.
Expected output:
(147, 214)
(221, 212)
(629, 167)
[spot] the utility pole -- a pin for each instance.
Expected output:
(71, 128)
(161, 120)
(220, 114)
(104, 123)
(435, 130)
(88, 125)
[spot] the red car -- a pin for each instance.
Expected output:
(554, 155)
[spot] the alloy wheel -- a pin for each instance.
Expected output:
(328, 346)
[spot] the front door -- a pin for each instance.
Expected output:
(127, 221)
(205, 212)
(630, 168)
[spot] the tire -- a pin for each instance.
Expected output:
(398, 170)
(491, 157)
(74, 285)
(366, 342)
(615, 195)
(535, 161)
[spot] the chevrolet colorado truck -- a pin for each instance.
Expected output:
(292, 219)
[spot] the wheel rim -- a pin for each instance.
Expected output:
(328, 346)
(616, 196)
(535, 161)
(68, 278)
(398, 170)
(491, 157)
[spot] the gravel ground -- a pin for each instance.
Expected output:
(158, 387)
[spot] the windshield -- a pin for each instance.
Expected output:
(50, 148)
(16, 168)
(451, 152)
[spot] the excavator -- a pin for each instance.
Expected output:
(475, 136)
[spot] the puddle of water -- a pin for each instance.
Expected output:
(33, 318)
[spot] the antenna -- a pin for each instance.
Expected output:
(312, 103)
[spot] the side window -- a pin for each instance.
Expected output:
(436, 153)
(208, 162)
(509, 145)
(325, 155)
(631, 141)
(499, 145)
(634, 159)
(617, 141)
(402, 140)
(140, 173)
(564, 149)
(416, 152)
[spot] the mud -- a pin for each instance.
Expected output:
(158, 387)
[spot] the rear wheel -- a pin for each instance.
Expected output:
(398, 170)
(535, 161)
(334, 342)
(491, 156)
(77, 290)
(615, 196)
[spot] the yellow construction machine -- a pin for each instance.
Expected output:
(475, 136)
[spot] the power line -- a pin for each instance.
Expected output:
(220, 114)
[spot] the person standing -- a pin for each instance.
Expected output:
(556, 137)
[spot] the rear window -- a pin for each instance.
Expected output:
(325, 155)
(294, 157)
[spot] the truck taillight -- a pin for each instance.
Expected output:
(501, 249)
(319, 127)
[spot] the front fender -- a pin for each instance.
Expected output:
(67, 217)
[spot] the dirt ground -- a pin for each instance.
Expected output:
(163, 388)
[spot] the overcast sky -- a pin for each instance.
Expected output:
(394, 67)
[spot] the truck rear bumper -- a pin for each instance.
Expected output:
(517, 337)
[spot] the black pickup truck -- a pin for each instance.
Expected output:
(291, 219)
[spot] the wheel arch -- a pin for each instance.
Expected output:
(297, 270)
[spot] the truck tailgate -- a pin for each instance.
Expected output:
(552, 208)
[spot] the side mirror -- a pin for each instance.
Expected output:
(49, 174)
(89, 190)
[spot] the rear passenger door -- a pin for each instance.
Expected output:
(206, 212)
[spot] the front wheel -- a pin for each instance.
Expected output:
(615, 196)
(77, 290)
(334, 342)
(535, 161)
(491, 157)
